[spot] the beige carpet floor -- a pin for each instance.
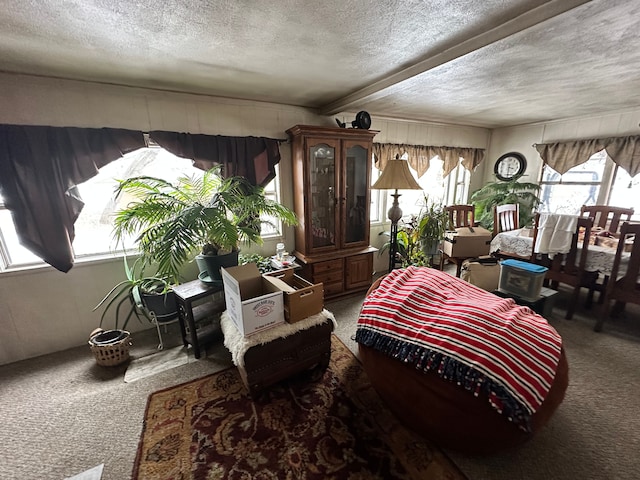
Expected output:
(62, 414)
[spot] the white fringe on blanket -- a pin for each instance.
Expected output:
(238, 344)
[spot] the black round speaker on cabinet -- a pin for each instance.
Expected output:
(363, 120)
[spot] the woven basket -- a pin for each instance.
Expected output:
(110, 353)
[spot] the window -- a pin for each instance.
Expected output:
(375, 215)
(93, 228)
(272, 192)
(454, 188)
(457, 185)
(625, 192)
(581, 185)
(598, 181)
(11, 252)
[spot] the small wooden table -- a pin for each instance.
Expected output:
(189, 313)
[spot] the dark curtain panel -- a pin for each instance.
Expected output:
(254, 158)
(39, 169)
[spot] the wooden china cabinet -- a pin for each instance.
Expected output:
(331, 175)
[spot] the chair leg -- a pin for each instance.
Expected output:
(617, 308)
(458, 268)
(572, 303)
(603, 288)
(589, 301)
(604, 315)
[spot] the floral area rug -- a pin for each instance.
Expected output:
(317, 425)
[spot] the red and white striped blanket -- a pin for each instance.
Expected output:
(483, 342)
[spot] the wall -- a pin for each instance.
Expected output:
(43, 310)
(522, 138)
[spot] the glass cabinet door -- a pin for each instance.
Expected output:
(323, 195)
(356, 185)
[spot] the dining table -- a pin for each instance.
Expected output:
(520, 241)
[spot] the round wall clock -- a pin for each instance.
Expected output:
(510, 166)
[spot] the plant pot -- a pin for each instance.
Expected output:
(108, 337)
(429, 247)
(111, 347)
(212, 263)
(163, 306)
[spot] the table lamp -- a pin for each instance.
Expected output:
(395, 176)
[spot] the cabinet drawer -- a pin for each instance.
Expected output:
(332, 288)
(328, 266)
(328, 277)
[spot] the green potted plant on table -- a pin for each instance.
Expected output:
(209, 214)
(431, 223)
(420, 236)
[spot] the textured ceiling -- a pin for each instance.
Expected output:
(489, 63)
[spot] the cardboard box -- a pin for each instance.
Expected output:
(483, 272)
(252, 303)
(467, 242)
(301, 297)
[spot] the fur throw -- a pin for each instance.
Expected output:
(238, 344)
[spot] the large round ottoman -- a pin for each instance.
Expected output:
(449, 415)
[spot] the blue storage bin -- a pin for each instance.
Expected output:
(521, 279)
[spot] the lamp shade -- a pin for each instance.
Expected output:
(396, 176)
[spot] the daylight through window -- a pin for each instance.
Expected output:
(93, 228)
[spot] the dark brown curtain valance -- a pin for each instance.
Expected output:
(420, 156)
(39, 169)
(254, 158)
(562, 156)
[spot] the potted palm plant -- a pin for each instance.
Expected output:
(499, 193)
(208, 214)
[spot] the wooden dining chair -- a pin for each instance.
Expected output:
(459, 216)
(569, 268)
(607, 217)
(625, 289)
(506, 217)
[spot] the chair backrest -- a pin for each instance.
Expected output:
(461, 215)
(505, 218)
(626, 289)
(569, 267)
(607, 217)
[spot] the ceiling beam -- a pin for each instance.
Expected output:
(526, 20)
